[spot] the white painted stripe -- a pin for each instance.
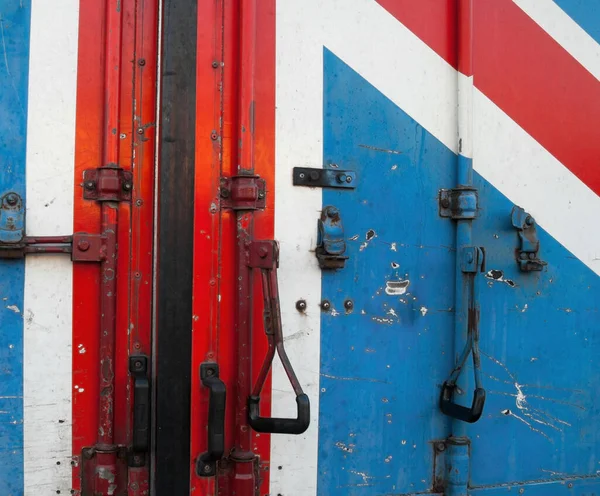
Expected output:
(526, 173)
(573, 38)
(299, 135)
(48, 279)
(414, 77)
(465, 115)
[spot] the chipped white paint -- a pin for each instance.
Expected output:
(396, 288)
(536, 419)
(13, 308)
(423, 311)
(48, 279)
(349, 448)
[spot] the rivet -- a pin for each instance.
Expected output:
(348, 179)
(142, 62)
(440, 446)
(207, 469)
(213, 136)
(523, 256)
(215, 64)
(210, 372)
(83, 245)
(140, 130)
(529, 220)
(445, 203)
(90, 185)
(314, 175)
(225, 193)
(301, 305)
(261, 194)
(263, 252)
(325, 305)
(139, 203)
(348, 304)
(302, 175)
(127, 186)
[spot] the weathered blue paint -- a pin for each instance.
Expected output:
(382, 364)
(540, 346)
(585, 13)
(14, 69)
(457, 466)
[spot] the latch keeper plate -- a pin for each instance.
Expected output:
(324, 178)
(107, 184)
(243, 193)
(527, 253)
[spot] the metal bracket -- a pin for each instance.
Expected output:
(107, 184)
(243, 193)
(527, 253)
(88, 247)
(263, 254)
(12, 221)
(459, 203)
(324, 178)
(138, 368)
(93, 468)
(331, 245)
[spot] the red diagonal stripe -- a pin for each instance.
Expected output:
(526, 73)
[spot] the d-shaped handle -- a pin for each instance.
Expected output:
(207, 462)
(275, 425)
(459, 412)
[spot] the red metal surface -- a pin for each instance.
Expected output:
(114, 100)
(219, 102)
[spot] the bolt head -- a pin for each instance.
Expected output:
(348, 179)
(127, 186)
(90, 185)
(138, 365)
(314, 175)
(12, 199)
(215, 64)
(263, 252)
(529, 220)
(225, 193)
(261, 194)
(83, 245)
(210, 372)
(140, 130)
(523, 256)
(331, 212)
(445, 203)
(348, 304)
(207, 469)
(532, 256)
(440, 446)
(341, 177)
(301, 305)
(325, 305)
(142, 62)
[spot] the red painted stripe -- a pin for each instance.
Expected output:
(539, 85)
(433, 21)
(525, 73)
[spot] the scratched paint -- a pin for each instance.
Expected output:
(388, 244)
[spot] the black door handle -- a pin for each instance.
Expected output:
(459, 412)
(138, 367)
(206, 464)
(275, 425)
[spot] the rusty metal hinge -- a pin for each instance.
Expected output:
(459, 203)
(243, 193)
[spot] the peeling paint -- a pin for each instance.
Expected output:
(498, 276)
(349, 448)
(423, 311)
(396, 288)
(13, 308)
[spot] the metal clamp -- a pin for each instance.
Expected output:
(264, 255)
(527, 253)
(459, 203)
(331, 245)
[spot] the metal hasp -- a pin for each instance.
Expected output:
(206, 464)
(109, 183)
(472, 264)
(459, 203)
(264, 255)
(324, 178)
(331, 245)
(527, 253)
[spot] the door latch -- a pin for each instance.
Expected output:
(527, 253)
(331, 245)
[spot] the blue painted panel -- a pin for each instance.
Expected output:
(540, 344)
(382, 364)
(586, 13)
(14, 69)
